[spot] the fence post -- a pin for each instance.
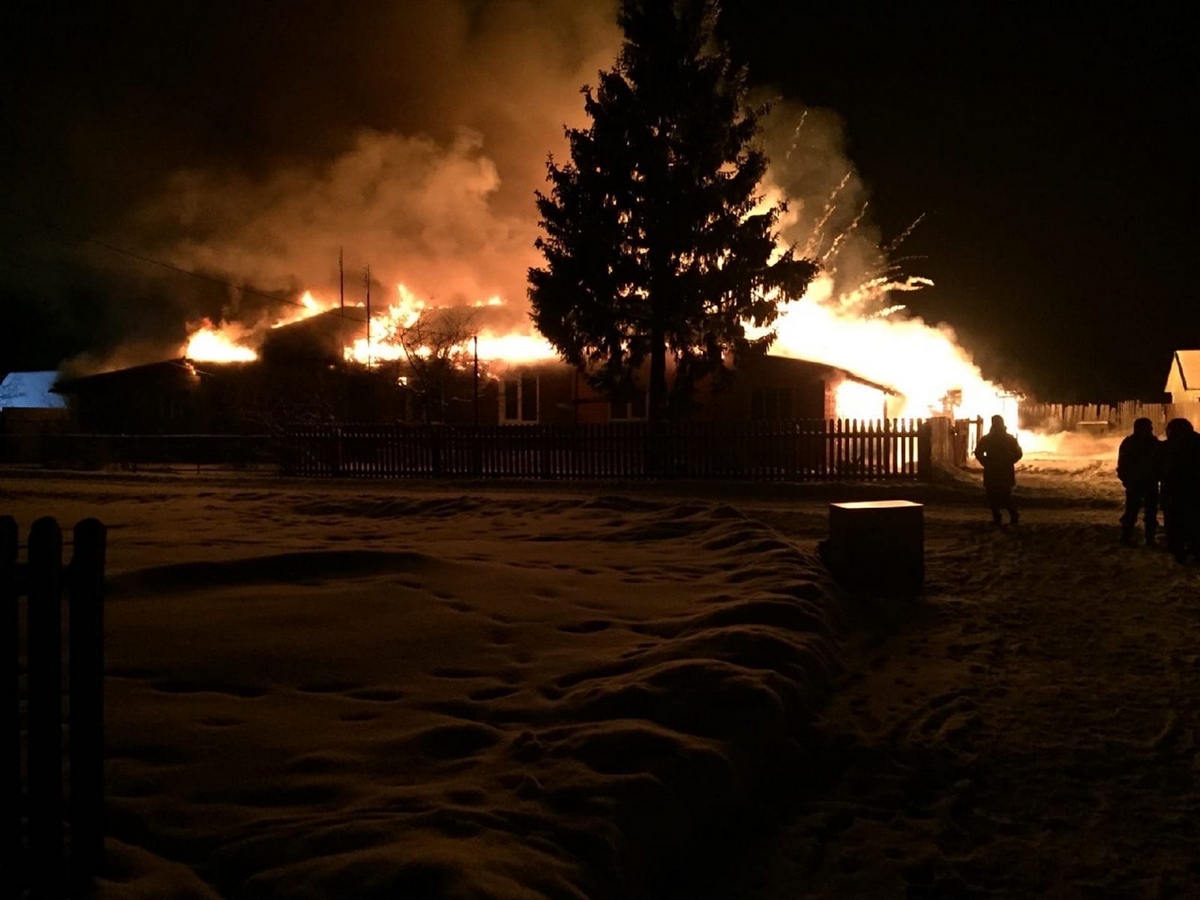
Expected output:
(86, 655)
(924, 448)
(45, 763)
(10, 714)
(435, 449)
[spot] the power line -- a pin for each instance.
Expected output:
(84, 239)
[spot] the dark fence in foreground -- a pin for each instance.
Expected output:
(816, 449)
(35, 850)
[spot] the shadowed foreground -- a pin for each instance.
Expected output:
(1027, 730)
(332, 690)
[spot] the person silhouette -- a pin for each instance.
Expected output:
(1139, 460)
(998, 452)
(1181, 489)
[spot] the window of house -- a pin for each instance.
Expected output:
(771, 403)
(520, 399)
(512, 403)
(631, 408)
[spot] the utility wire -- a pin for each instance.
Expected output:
(67, 234)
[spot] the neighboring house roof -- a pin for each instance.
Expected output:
(824, 371)
(1185, 371)
(171, 370)
(30, 390)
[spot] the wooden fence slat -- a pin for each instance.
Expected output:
(45, 750)
(10, 705)
(86, 697)
(768, 450)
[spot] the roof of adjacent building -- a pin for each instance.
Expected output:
(30, 390)
(1185, 371)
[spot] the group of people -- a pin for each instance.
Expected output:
(1162, 474)
(1156, 474)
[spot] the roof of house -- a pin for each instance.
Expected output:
(30, 390)
(169, 369)
(820, 370)
(1185, 371)
(765, 363)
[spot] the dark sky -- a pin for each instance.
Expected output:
(1050, 154)
(252, 140)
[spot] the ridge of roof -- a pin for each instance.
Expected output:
(1188, 362)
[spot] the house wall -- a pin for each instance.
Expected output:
(165, 400)
(765, 388)
(560, 395)
(1183, 378)
(239, 398)
(22, 429)
(773, 388)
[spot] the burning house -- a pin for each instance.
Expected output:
(163, 397)
(327, 363)
(765, 388)
(302, 376)
(299, 376)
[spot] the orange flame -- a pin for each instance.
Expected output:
(388, 327)
(924, 364)
(211, 343)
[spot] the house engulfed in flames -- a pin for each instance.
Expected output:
(313, 371)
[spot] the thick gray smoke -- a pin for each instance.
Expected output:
(469, 100)
(827, 217)
(411, 141)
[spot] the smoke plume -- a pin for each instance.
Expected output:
(409, 138)
(435, 194)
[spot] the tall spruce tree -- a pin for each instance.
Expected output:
(654, 241)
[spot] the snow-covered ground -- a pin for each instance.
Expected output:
(360, 690)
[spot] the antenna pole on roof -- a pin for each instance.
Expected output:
(341, 301)
(367, 279)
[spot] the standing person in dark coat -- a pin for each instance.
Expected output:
(1139, 460)
(998, 453)
(1181, 489)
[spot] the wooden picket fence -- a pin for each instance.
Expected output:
(1104, 417)
(36, 853)
(839, 449)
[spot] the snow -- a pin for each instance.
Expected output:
(30, 390)
(337, 689)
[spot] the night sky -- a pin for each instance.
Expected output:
(250, 141)
(1047, 154)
